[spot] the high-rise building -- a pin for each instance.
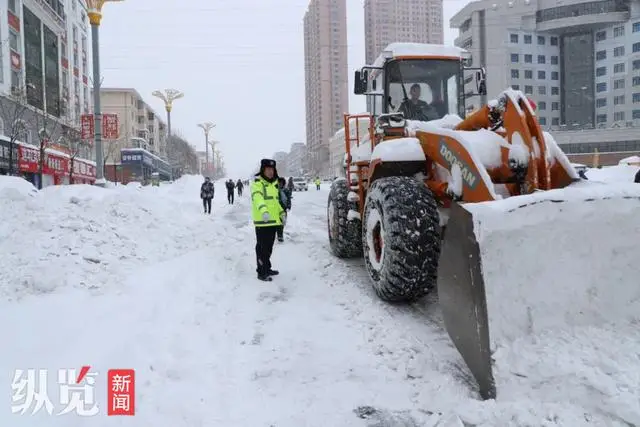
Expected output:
(579, 62)
(281, 162)
(409, 21)
(326, 79)
(296, 158)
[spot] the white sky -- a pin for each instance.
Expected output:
(240, 65)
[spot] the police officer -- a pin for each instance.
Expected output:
(268, 215)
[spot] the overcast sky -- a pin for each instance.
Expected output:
(240, 65)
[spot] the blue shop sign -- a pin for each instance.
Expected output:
(131, 158)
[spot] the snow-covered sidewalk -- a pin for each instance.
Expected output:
(212, 346)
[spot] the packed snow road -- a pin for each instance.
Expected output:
(139, 278)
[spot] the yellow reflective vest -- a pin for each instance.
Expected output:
(264, 198)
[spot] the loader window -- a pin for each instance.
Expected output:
(423, 89)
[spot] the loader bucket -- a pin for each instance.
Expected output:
(544, 268)
(462, 297)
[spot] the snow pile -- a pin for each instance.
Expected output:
(399, 150)
(561, 273)
(621, 173)
(83, 236)
(631, 160)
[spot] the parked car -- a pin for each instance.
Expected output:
(300, 184)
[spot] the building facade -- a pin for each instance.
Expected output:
(579, 61)
(44, 86)
(281, 162)
(296, 159)
(390, 21)
(326, 76)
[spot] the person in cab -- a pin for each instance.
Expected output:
(267, 214)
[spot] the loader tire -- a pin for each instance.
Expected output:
(345, 236)
(401, 239)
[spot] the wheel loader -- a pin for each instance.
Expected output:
(412, 163)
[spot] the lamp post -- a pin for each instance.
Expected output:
(94, 11)
(206, 127)
(168, 96)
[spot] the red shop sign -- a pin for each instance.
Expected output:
(55, 165)
(28, 159)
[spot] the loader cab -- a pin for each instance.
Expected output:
(421, 87)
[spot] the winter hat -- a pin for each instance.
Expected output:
(265, 163)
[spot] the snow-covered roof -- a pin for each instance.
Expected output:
(418, 49)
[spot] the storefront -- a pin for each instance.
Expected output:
(140, 165)
(4, 156)
(56, 167)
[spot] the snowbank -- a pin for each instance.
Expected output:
(82, 236)
(555, 260)
(399, 150)
(620, 173)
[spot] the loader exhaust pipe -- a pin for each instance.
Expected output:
(462, 297)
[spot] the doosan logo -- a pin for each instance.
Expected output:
(468, 175)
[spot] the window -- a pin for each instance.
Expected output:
(601, 35)
(618, 84)
(636, 81)
(14, 41)
(12, 6)
(636, 64)
(515, 57)
(555, 106)
(542, 121)
(541, 59)
(601, 54)
(528, 90)
(618, 116)
(555, 121)
(553, 41)
(528, 74)
(554, 60)
(619, 51)
(601, 71)
(635, 114)
(618, 68)
(513, 38)
(636, 48)
(618, 100)
(554, 75)
(515, 87)
(636, 98)
(618, 31)
(541, 40)
(542, 106)
(542, 90)
(601, 87)
(515, 74)
(555, 90)
(635, 27)
(601, 118)
(528, 59)
(542, 75)
(527, 39)
(601, 102)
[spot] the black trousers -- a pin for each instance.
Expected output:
(280, 232)
(230, 196)
(239, 191)
(207, 205)
(265, 238)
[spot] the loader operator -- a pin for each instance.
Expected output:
(416, 109)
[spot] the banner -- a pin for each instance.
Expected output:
(87, 126)
(110, 126)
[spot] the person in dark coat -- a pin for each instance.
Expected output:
(285, 201)
(637, 178)
(239, 186)
(230, 191)
(207, 191)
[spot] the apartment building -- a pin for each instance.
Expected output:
(390, 21)
(140, 126)
(296, 158)
(281, 162)
(580, 62)
(326, 80)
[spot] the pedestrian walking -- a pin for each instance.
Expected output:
(239, 186)
(207, 191)
(230, 191)
(285, 203)
(267, 215)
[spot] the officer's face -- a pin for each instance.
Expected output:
(268, 172)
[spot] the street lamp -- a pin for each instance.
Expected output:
(214, 152)
(206, 127)
(94, 11)
(168, 97)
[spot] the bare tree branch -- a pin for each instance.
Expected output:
(14, 110)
